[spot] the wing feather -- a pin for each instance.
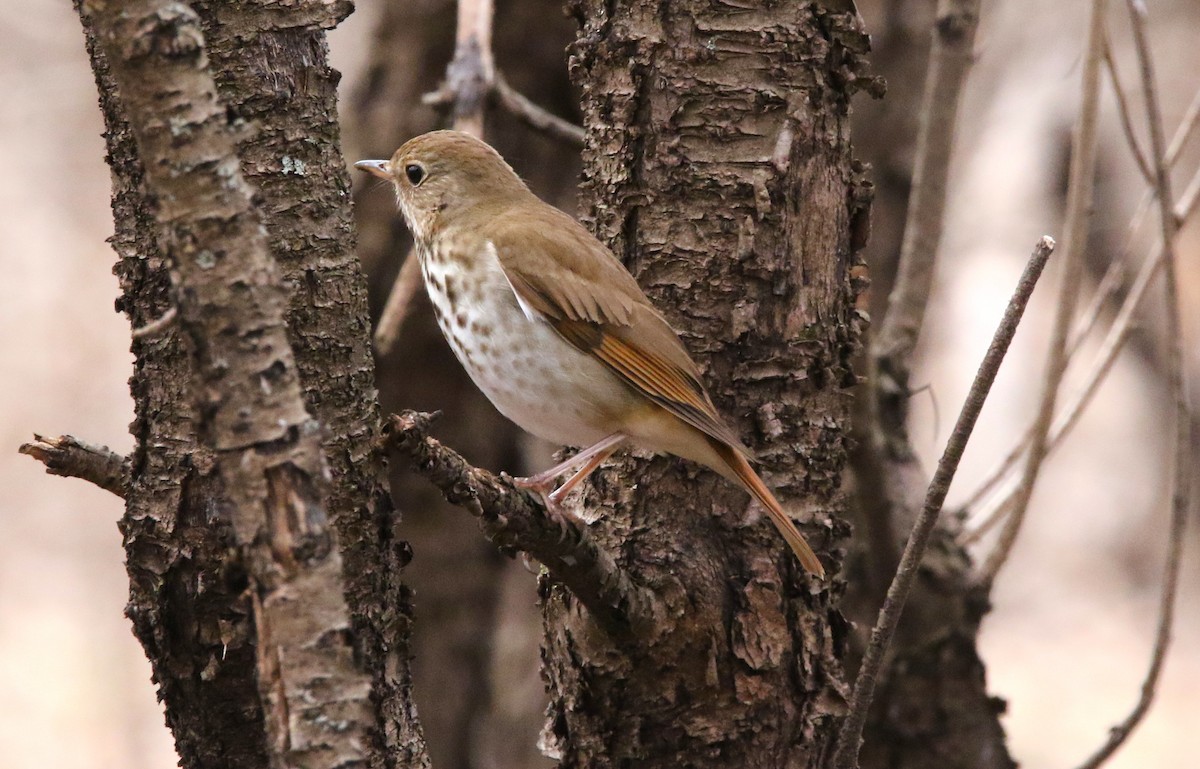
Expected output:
(587, 296)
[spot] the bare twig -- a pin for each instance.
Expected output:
(1112, 345)
(888, 452)
(399, 302)
(1124, 113)
(850, 737)
(535, 116)
(1105, 292)
(473, 70)
(1079, 207)
(515, 521)
(72, 458)
(1191, 118)
(1181, 416)
(950, 59)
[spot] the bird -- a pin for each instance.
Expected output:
(551, 326)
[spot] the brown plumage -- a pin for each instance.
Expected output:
(552, 327)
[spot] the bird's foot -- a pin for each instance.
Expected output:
(552, 497)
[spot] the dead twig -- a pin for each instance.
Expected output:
(1079, 207)
(155, 327)
(70, 457)
(515, 521)
(1118, 334)
(1110, 284)
(850, 737)
(1181, 416)
(536, 117)
(1123, 111)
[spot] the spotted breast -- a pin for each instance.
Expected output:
(533, 376)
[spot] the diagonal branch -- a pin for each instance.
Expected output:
(1120, 329)
(1182, 460)
(1079, 209)
(72, 458)
(536, 117)
(850, 737)
(514, 521)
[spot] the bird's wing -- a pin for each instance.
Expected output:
(575, 284)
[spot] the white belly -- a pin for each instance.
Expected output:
(531, 375)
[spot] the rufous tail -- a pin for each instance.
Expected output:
(741, 469)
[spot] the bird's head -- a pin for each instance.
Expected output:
(447, 174)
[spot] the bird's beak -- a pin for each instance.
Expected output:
(380, 168)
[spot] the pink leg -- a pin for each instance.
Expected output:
(544, 481)
(562, 491)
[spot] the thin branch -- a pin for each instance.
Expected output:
(514, 520)
(949, 61)
(1112, 345)
(850, 737)
(1079, 209)
(888, 451)
(472, 71)
(1124, 113)
(1181, 416)
(1191, 118)
(399, 302)
(72, 458)
(535, 116)
(1105, 292)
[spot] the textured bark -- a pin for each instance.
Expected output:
(718, 167)
(474, 689)
(188, 597)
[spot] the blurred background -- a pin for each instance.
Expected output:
(1067, 642)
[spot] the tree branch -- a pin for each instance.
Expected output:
(72, 458)
(891, 347)
(1079, 210)
(850, 737)
(536, 117)
(514, 521)
(1124, 113)
(1120, 329)
(1181, 418)
(399, 302)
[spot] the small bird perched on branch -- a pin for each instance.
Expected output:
(551, 326)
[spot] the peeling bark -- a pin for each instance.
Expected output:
(189, 600)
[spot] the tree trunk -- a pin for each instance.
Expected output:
(188, 599)
(718, 167)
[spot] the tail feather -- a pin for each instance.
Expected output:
(741, 470)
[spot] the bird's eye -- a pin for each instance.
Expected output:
(415, 173)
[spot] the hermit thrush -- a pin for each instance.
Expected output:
(551, 326)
